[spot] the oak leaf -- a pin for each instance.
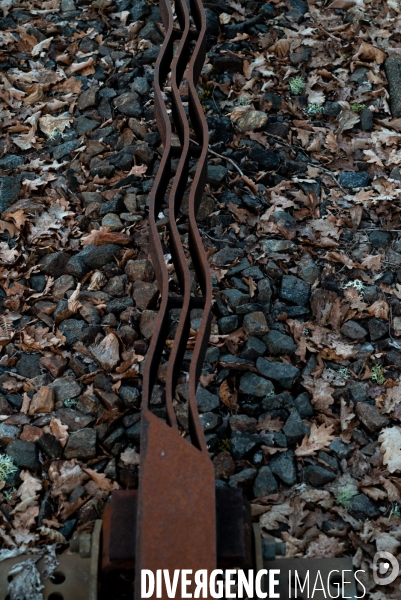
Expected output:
(278, 513)
(321, 392)
(390, 440)
(319, 438)
(324, 547)
(270, 424)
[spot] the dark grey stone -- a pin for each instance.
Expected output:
(278, 402)
(317, 476)
(359, 76)
(254, 385)
(140, 85)
(134, 433)
(129, 104)
(131, 396)
(50, 445)
(392, 68)
(265, 483)
(300, 55)
(294, 290)
(83, 125)
(282, 373)
(380, 239)
(226, 256)
(354, 179)
(209, 421)
(88, 98)
(279, 343)
(65, 388)
(294, 429)
(11, 161)
(24, 454)
(54, 264)
(303, 405)
(254, 347)
(63, 150)
(8, 433)
(340, 449)
(29, 365)
(242, 442)
(10, 188)
(74, 419)
(205, 400)
(308, 270)
(266, 159)
(151, 33)
(332, 109)
(275, 99)
(255, 323)
(361, 507)
(242, 479)
(81, 445)
(378, 328)
(216, 174)
(73, 330)
(353, 330)
(283, 465)
(366, 120)
(94, 257)
(278, 246)
(228, 62)
(235, 297)
(228, 324)
(140, 10)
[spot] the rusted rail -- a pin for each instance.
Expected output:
(176, 498)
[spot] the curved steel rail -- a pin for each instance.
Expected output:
(176, 496)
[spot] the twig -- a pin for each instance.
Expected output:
(230, 160)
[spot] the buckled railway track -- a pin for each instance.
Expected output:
(176, 498)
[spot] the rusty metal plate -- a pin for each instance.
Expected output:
(73, 572)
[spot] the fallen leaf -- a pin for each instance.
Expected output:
(319, 438)
(390, 440)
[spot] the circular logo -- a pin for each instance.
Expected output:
(382, 568)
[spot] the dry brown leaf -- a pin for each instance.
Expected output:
(270, 424)
(101, 480)
(368, 52)
(373, 263)
(66, 476)
(392, 399)
(341, 258)
(227, 396)
(390, 440)
(319, 438)
(59, 430)
(281, 48)
(347, 415)
(138, 170)
(103, 235)
(321, 392)
(48, 123)
(73, 301)
(131, 457)
(346, 120)
(278, 513)
(379, 309)
(324, 547)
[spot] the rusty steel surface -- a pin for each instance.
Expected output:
(176, 498)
